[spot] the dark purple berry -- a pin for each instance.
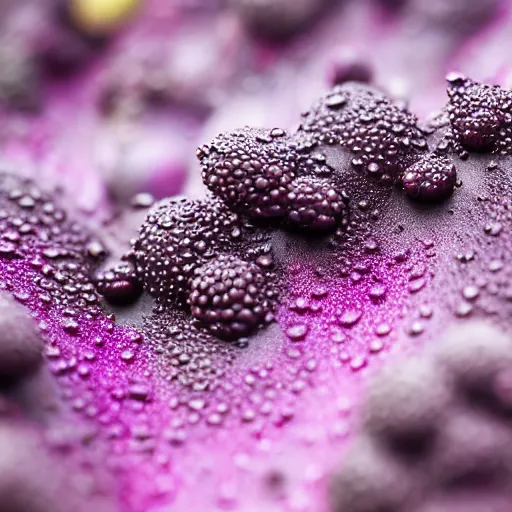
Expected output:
(315, 204)
(251, 170)
(277, 19)
(178, 236)
(431, 179)
(479, 130)
(230, 296)
(119, 285)
(382, 136)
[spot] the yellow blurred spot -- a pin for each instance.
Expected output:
(102, 16)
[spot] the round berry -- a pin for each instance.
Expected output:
(479, 130)
(230, 296)
(382, 136)
(251, 170)
(119, 285)
(315, 204)
(178, 236)
(432, 178)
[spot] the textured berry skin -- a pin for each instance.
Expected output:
(480, 115)
(382, 137)
(432, 178)
(251, 170)
(435, 433)
(178, 236)
(315, 205)
(479, 130)
(277, 19)
(119, 285)
(230, 296)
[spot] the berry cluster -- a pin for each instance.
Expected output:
(186, 254)
(177, 237)
(279, 179)
(264, 175)
(251, 170)
(435, 434)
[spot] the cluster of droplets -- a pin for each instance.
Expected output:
(38, 239)
(435, 432)
(34, 227)
(281, 180)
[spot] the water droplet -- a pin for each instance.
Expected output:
(416, 328)
(377, 292)
(470, 292)
(416, 285)
(127, 356)
(493, 228)
(139, 391)
(495, 265)
(358, 363)
(297, 332)
(382, 329)
(376, 346)
(464, 309)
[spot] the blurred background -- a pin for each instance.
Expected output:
(110, 98)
